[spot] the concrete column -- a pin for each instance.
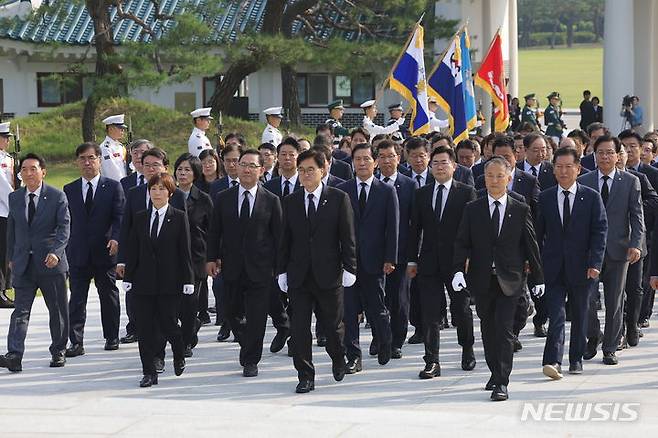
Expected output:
(618, 59)
(513, 86)
(487, 35)
(655, 66)
(645, 48)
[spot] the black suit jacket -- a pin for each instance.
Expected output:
(199, 214)
(405, 188)
(340, 169)
(255, 249)
(464, 175)
(164, 266)
(136, 202)
(323, 249)
(524, 184)
(588, 162)
(274, 186)
(478, 169)
(438, 237)
(130, 181)
(217, 186)
(91, 232)
(515, 245)
(334, 181)
(545, 177)
(649, 207)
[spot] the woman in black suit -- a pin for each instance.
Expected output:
(158, 272)
(211, 169)
(199, 211)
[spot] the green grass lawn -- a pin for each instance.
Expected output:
(567, 71)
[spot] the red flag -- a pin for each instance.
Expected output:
(491, 78)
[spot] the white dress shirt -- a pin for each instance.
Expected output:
(511, 182)
(37, 192)
(316, 197)
(160, 212)
(391, 179)
(251, 198)
(560, 199)
(446, 190)
(94, 186)
(528, 167)
(368, 185)
(292, 180)
(501, 208)
(423, 177)
(611, 175)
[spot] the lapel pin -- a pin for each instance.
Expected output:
(509, 215)
(582, 199)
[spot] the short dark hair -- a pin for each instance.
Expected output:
(387, 144)
(380, 137)
(86, 146)
(232, 148)
(566, 151)
(323, 127)
(140, 142)
(416, 143)
(650, 140)
(361, 131)
(290, 141)
(629, 133)
(595, 127)
(321, 140)
(326, 150)
(497, 159)
(587, 92)
(213, 154)
(469, 144)
(502, 141)
(34, 156)
(252, 152)
(157, 153)
(580, 134)
(439, 136)
(362, 146)
(313, 154)
(532, 137)
(444, 150)
(195, 164)
(239, 137)
(269, 146)
(606, 138)
(165, 179)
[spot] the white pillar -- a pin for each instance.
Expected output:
(513, 86)
(487, 35)
(654, 68)
(645, 48)
(618, 59)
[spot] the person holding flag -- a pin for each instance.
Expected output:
(370, 110)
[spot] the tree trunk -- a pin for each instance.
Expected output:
(569, 33)
(556, 24)
(290, 97)
(230, 82)
(88, 117)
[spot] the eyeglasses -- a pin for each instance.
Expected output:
(387, 157)
(231, 160)
(250, 166)
(306, 170)
(440, 163)
(605, 153)
(152, 165)
(86, 159)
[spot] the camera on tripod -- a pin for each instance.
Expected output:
(627, 101)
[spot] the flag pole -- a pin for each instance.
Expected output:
(443, 54)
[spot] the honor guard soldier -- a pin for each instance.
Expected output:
(370, 110)
(529, 112)
(113, 160)
(552, 117)
(336, 110)
(6, 187)
(198, 140)
(436, 124)
(395, 111)
(271, 134)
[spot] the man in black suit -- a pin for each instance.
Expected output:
(317, 258)
(436, 215)
(243, 240)
(137, 148)
(478, 167)
(535, 160)
(328, 179)
(497, 237)
(154, 161)
(376, 219)
(633, 145)
(96, 207)
(594, 131)
(462, 174)
(269, 153)
(397, 282)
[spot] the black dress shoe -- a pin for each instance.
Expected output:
(338, 368)
(354, 366)
(179, 366)
(321, 341)
(279, 340)
(468, 359)
(396, 353)
(129, 338)
(111, 344)
(204, 318)
(516, 344)
(640, 333)
(159, 365)
(431, 370)
(540, 331)
(576, 368)
(224, 334)
(384, 354)
(250, 370)
(591, 347)
(75, 350)
(490, 385)
(610, 358)
(58, 360)
(416, 338)
(188, 351)
(148, 380)
(374, 348)
(5, 301)
(499, 393)
(644, 323)
(12, 362)
(622, 343)
(305, 386)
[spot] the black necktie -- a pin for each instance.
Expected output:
(495, 219)
(386, 179)
(419, 178)
(154, 226)
(89, 197)
(286, 188)
(566, 211)
(533, 170)
(266, 176)
(605, 191)
(362, 198)
(439, 201)
(31, 208)
(234, 183)
(244, 208)
(311, 209)
(141, 179)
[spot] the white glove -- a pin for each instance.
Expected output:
(458, 282)
(401, 121)
(127, 286)
(538, 291)
(188, 289)
(282, 280)
(348, 279)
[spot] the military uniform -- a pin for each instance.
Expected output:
(529, 114)
(113, 159)
(337, 128)
(271, 134)
(552, 118)
(403, 131)
(374, 129)
(6, 187)
(198, 142)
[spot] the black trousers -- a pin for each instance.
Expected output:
(5, 274)
(496, 312)
(648, 294)
(218, 291)
(633, 296)
(329, 311)
(367, 294)
(131, 325)
(277, 308)
(157, 316)
(251, 300)
(203, 296)
(432, 294)
(105, 280)
(521, 313)
(579, 301)
(187, 314)
(397, 302)
(415, 313)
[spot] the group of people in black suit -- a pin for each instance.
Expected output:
(387, 241)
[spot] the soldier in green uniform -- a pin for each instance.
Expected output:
(529, 112)
(335, 114)
(552, 117)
